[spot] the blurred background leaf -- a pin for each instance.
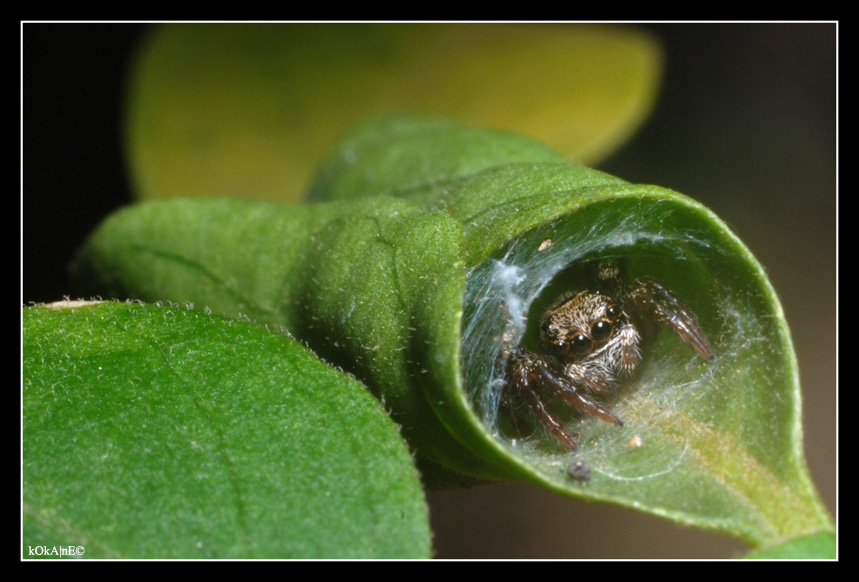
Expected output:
(249, 110)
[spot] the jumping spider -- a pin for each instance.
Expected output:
(590, 340)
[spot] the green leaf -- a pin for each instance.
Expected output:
(433, 240)
(248, 110)
(161, 432)
(818, 546)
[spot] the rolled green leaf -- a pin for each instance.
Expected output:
(432, 248)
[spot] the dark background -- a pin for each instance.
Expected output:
(746, 124)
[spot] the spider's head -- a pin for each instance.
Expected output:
(581, 325)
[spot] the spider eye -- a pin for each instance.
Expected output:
(613, 312)
(601, 330)
(580, 344)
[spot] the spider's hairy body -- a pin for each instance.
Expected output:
(590, 341)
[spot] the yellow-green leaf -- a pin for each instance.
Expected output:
(249, 110)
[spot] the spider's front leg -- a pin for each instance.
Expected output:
(534, 379)
(656, 301)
